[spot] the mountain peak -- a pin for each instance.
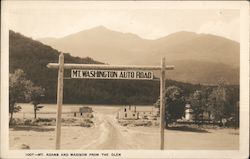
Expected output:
(104, 31)
(182, 34)
(99, 28)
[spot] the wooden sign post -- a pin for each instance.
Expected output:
(59, 101)
(162, 103)
(94, 71)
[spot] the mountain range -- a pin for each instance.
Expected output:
(32, 57)
(198, 58)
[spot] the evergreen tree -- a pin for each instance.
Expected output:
(218, 101)
(19, 91)
(36, 95)
(175, 104)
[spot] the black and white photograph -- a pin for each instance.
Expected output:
(124, 79)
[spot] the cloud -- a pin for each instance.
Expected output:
(230, 30)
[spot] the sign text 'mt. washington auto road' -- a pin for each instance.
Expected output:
(111, 74)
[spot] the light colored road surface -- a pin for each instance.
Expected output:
(112, 135)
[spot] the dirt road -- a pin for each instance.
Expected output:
(112, 135)
(108, 134)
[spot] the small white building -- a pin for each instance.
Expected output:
(128, 112)
(81, 112)
(188, 112)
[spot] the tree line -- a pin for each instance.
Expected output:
(218, 102)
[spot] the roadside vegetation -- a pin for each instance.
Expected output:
(219, 103)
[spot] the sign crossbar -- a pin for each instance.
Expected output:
(105, 67)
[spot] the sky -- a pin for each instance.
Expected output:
(53, 19)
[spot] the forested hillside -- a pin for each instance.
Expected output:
(33, 56)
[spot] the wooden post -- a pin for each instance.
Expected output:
(59, 100)
(162, 104)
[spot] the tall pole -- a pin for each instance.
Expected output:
(162, 103)
(59, 101)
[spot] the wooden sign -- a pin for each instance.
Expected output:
(97, 71)
(112, 74)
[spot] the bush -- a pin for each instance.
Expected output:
(28, 122)
(89, 115)
(45, 119)
(15, 122)
(68, 120)
(135, 123)
(86, 123)
(83, 124)
(142, 123)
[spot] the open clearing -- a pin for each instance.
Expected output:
(108, 134)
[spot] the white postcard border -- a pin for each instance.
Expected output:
(244, 85)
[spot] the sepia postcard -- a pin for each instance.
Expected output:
(124, 79)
